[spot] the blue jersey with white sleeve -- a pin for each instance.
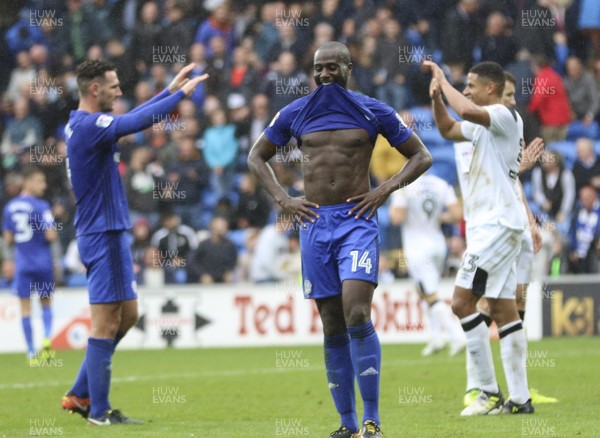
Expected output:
(332, 107)
(27, 218)
(93, 157)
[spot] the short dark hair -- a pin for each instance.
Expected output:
(30, 171)
(89, 70)
(508, 76)
(492, 72)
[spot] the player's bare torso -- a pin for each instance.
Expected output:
(336, 165)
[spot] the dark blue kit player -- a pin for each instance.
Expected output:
(336, 131)
(102, 221)
(29, 227)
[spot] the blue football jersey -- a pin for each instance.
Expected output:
(28, 217)
(93, 157)
(332, 107)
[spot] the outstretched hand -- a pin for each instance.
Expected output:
(189, 87)
(181, 80)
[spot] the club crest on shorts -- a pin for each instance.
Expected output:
(307, 288)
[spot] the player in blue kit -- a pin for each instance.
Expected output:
(30, 239)
(336, 131)
(102, 221)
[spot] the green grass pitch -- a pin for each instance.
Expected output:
(278, 392)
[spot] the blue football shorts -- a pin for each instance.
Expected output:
(107, 258)
(34, 284)
(338, 247)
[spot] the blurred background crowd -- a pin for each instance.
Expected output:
(197, 214)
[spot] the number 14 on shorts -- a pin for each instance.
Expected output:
(363, 262)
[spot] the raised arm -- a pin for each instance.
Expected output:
(448, 126)
(178, 81)
(146, 114)
(465, 108)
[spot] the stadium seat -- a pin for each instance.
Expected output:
(577, 129)
(238, 237)
(567, 150)
(444, 165)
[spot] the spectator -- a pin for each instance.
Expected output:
(285, 83)
(189, 173)
(145, 36)
(139, 247)
(218, 24)
(586, 169)
(79, 29)
(197, 56)
(254, 205)
(175, 37)
(260, 116)
(22, 77)
(272, 250)
(549, 100)
(582, 91)
(216, 257)
(391, 77)
(535, 27)
(22, 132)
(220, 150)
(460, 33)
(497, 44)
(175, 243)
(244, 79)
(553, 187)
(584, 233)
(287, 42)
(141, 186)
(589, 22)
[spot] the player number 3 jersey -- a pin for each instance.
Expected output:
(491, 195)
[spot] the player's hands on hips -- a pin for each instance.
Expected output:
(531, 154)
(300, 208)
(369, 202)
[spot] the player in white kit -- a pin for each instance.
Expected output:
(530, 245)
(495, 227)
(421, 208)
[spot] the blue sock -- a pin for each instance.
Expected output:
(340, 376)
(80, 387)
(98, 360)
(47, 318)
(26, 320)
(366, 357)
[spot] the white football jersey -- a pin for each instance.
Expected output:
(463, 155)
(491, 195)
(425, 200)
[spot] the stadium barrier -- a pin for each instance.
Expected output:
(195, 316)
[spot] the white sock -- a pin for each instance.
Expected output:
(435, 326)
(513, 348)
(441, 311)
(480, 350)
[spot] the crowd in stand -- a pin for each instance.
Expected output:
(198, 216)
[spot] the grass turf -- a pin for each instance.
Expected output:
(271, 392)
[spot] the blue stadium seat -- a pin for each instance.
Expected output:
(238, 237)
(577, 129)
(444, 164)
(567, 150)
